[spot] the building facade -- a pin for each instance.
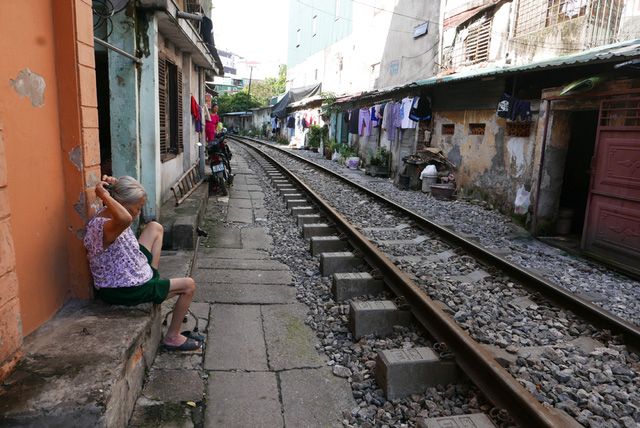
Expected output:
(356, 46)
(564, 64)
(82, 99)
(48, 165)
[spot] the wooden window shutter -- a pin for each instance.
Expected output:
(180, 119)
(162, 101)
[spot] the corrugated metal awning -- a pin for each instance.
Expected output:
(606, 53)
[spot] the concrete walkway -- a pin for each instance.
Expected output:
(259, 366)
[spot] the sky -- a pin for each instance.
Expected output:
(253, 29)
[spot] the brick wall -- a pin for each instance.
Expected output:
(10, 325)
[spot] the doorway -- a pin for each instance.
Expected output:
(104, 111)
(575, 180)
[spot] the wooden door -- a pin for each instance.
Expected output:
(612, 226)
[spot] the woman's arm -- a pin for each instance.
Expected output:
(121, 219)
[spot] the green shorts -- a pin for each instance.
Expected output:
(155, 290)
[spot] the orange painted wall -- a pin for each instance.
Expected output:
(46, 189)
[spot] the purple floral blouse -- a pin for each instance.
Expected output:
(122, 264)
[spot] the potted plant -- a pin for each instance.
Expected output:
(379, 163)
(330, 149)
(315, 137)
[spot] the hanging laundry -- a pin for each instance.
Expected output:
(393, 111)
(505, 106)
(199, 120)
(420, 109)
(365, 121)
(195, 109)
(375, 122)
(291, 122)
(521, 108)
(354, 118)
(386, 116)
(405, 108)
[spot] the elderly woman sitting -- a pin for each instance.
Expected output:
(125, 269)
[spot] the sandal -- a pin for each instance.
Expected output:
(193, 335)
(188, 345)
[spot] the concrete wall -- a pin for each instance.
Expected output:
(378, 51)
(491, 166)
(49, 166)
(260, 116)
(405, 58)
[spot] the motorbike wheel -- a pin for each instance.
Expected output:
(223, 186)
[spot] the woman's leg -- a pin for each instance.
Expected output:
(184, 288)
(151, 238)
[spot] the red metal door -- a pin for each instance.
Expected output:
(612, 226)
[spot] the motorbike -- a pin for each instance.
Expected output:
(219, 156)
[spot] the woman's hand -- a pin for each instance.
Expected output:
(101, 190)
(101, 187)
(109, 179)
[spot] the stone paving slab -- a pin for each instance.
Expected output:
(218, 276)
(175, 264)
(239, 399)
(243, 264)
(240, 215)
(256, 238)
(239, 194)
(314, 398)
(257, 203)
(254, 188)
(174, 386)
(226, 237)
(240, 185)
(240, 203)
(230, 253)
(178, 361)
(246, 294)
(150, 413)
(256, 196)
(235, 339)
(290, 342)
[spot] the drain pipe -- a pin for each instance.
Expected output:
(534, 222)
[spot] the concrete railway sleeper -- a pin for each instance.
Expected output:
(401, 372)
(437, 322)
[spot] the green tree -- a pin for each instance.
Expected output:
(230, 103)
(261, 93)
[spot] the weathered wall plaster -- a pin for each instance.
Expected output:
(75, 156)
(30, 84)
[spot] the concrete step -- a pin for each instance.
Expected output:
(83, 368)
(180, 223)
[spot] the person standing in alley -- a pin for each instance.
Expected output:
(212, 123)
(125, 269)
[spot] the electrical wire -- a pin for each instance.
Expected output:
(103, 11)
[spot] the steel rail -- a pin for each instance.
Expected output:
(502, 388)
(528, 279)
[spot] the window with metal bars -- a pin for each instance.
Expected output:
(170, 109)
(519, 129)
(448, 129)
(602, 17)
(620, 113)
(471, 45)
(477, 43)
(476, 128)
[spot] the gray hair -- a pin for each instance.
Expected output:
(128, 190)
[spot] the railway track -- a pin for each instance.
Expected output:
(481, 367)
